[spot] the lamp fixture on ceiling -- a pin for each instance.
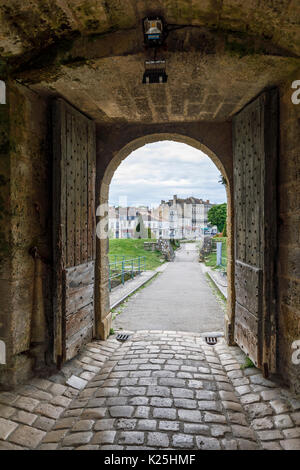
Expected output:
(155, 33)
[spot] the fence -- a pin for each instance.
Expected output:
(125, 268)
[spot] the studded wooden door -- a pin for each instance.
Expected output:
(73, 229)
(255, 148)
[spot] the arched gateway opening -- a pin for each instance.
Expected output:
(230, 71)
(103, 217)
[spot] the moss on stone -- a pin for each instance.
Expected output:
(240, 49)
(92, 24)
(54, 54)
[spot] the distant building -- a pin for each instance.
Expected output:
(176, 218)
(187, 217)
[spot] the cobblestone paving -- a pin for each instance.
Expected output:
(158, 390)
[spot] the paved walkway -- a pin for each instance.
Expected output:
(178, 299)
(158, 390)
(217, 278)
(121, 292)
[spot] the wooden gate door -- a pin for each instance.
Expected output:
(74, 229)
(255, 149)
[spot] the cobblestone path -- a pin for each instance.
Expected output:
(158, 390)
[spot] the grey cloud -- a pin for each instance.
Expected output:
(157, 171)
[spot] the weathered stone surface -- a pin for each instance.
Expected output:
(271, 446)
(104, 437)
(229, 444)
(183, 441)
(83, 425)
(6, 428)
(244, 444)
(270, 435)
(77, 438)
(279, 406)
(258, 410)
(193, 416)
(214, 418)
(147, 424)
(164, 413)
(49, 411)
(131, 437)
(76, 382)
(158, 439)
(124, 423)
(283, 421)
(263, 423)
(26, 403)
(6, 411)
(291, 444)
(43, 423)
(27, 436)
(185, 403)
(169, 425)
(167, 420)
(243, 432)
(207, 443)
(55, 436)
(25, 417)
(93, 413)
(121, 411)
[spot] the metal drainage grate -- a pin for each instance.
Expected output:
(211, 340)
(122, 337)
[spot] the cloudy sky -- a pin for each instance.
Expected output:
(160, 170)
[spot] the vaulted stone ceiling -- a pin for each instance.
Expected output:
(91, 52)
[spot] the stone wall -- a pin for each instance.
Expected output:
(289, 236)
(166, 249)
(25, 179)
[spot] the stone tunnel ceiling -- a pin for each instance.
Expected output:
(227, 52)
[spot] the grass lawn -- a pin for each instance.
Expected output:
(132, 248)
(211, 259)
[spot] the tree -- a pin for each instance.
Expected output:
(217, 216)
(222, 180)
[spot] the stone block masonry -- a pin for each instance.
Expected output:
(288, 271)
(196, 397)
(24, 223)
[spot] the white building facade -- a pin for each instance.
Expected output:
(176, 218)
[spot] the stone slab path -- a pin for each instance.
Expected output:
(217, 278)
(180, 298)
(158, 390)
(121, 292)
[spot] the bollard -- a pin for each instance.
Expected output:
(219, 253)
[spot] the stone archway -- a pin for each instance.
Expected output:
(103, 315)
(220, 59)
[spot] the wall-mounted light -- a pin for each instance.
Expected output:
(155, 31)
(155, 72)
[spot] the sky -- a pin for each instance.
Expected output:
(159, 170)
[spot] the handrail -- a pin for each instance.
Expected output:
(133, 266)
